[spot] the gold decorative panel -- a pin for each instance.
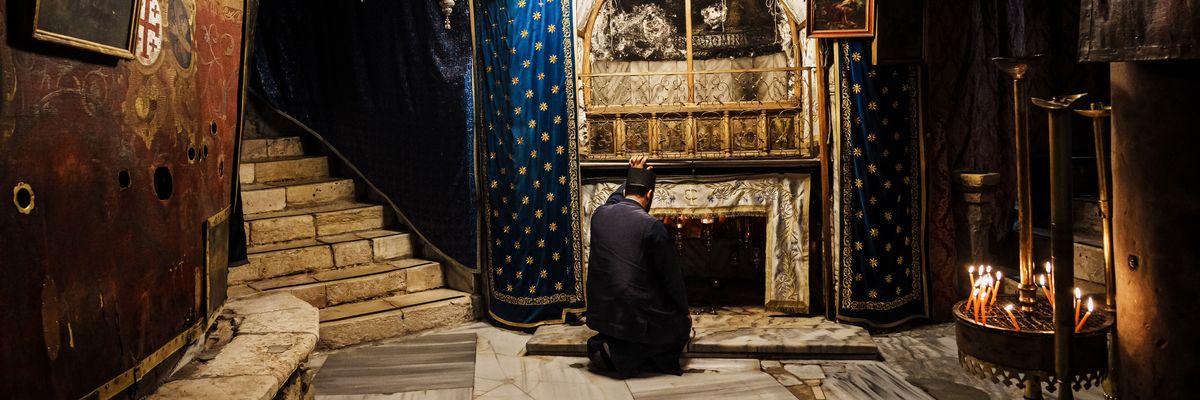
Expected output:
(722, 84)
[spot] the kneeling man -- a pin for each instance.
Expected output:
(636, 299)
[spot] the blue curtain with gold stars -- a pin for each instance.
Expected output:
(881, 277)
(526, 107)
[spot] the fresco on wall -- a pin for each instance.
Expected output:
(104, 147)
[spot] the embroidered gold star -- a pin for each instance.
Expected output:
(562, 180)
(873, 294)
(505, 229)
(550, 197)
(871, 168)
(533, 154)
(887, 247)
(558, 286)
(858, 245)
(555, 256)
(529, 260)
(858, 214)
(525, 200)
(526, 65)
(528, 94)
(858, 183)
(543, 106)
(524, 33)
(517, 111)
(871, 137)
(874, 232)
(507, 259)
(557, 119)
(494, 183)
(516, 80)
(554, 89)
(545, 135)
(537, 15)
(532, 123)
(541, 243)
(858, 277)
(559, 150)
(519, 273)
(538, 214)
(887, 215)
(550, 28)
(553, 227)
(856, 56)
(874, 262)
(897, 290)
(528, 230)
(888, 278)
(508, 287)
(521, 170)
(532, 289)
(521, 4)
(900, 260)
(857, 152)
(871, 105)
(547, 167)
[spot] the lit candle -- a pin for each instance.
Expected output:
(1049, 297)
(996, 287)
(971, 273)
(979, 305)
(1078, 302)
(1050, 274)
(1085, 316)
(1008, 309)
(971, 298)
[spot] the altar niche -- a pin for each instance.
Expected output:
(723, 258)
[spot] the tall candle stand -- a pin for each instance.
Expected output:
(1017, 68)
(1062, 240)
(1098, 113)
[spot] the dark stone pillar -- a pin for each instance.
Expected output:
(974, 212)
(1156, 204)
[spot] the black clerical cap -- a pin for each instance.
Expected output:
(640, 177)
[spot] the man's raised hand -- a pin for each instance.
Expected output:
(638, 162)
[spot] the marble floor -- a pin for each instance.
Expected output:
(917, 363)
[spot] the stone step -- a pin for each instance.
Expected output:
(354, 283)
(258, 149)
(1089, 256)
(320, 254)
(297, 223)
(276, 196)
(277, 169)
(371, 320)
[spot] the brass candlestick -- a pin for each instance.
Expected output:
(1098, 112)
(1017, 68)
(1062, 240)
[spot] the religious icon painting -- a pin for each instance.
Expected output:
(102, 26)
(841, 18)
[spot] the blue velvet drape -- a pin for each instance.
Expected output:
(526, 95)
(389, 88)
(881, 273)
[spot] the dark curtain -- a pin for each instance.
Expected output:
(387, 86)
(526, 93)
(881, 275)
(969, 123)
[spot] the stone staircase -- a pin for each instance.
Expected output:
(309, 236)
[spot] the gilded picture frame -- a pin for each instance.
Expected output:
(841, 18)
(102, 26)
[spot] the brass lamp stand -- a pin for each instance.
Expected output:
(1098, 113)
(1017, 68)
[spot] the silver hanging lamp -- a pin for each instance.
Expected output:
(447, 9)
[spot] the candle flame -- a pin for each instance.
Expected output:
(1089, 304)
(989, 269)
(971, 269)
(999, 275)
(1049, 267)
(1042, 280)
(1009, 307)
(1078, 293)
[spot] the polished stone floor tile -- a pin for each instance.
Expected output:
(737, 385)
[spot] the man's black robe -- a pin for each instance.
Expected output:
(635, 286)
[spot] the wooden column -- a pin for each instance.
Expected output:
(1156, 205)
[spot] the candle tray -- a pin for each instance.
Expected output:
(999, 353)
